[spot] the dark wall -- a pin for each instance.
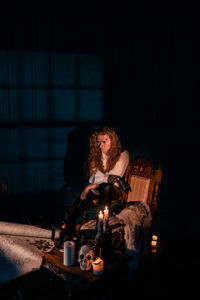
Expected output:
(149, 89)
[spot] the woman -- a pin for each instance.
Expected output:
(105, 158)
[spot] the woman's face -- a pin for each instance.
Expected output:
(104, 142)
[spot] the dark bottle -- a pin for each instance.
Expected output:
(103, 240)
(106, 242)
(98, 238)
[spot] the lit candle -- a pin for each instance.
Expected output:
(106, 213)
(105, 219)
(100, 223)
(100, 216)
(98, 266)
(153, 244)
(154, 237)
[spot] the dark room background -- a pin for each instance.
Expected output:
(66, 69)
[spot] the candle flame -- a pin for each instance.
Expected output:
(154, 237)
(97, 261)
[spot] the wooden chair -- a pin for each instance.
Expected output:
(144, 178)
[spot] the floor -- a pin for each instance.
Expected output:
(170, 273)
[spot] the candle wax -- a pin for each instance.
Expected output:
(106, 212)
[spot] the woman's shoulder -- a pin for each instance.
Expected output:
(125, 154)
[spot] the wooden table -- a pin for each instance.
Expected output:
(114, 267)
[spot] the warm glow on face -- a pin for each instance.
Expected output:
(104, 142)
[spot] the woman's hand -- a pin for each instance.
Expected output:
(86, 190)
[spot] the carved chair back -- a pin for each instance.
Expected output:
(144, 178)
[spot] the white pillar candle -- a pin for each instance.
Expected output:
(98, 266)
(100, 216)
(69, 253)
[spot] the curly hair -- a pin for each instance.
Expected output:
(95, 155)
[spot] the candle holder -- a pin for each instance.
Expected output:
(99, 235)
(105, 227)
(99, 227)
(103, 239)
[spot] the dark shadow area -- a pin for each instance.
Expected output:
(77, 149)
(43, 209)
